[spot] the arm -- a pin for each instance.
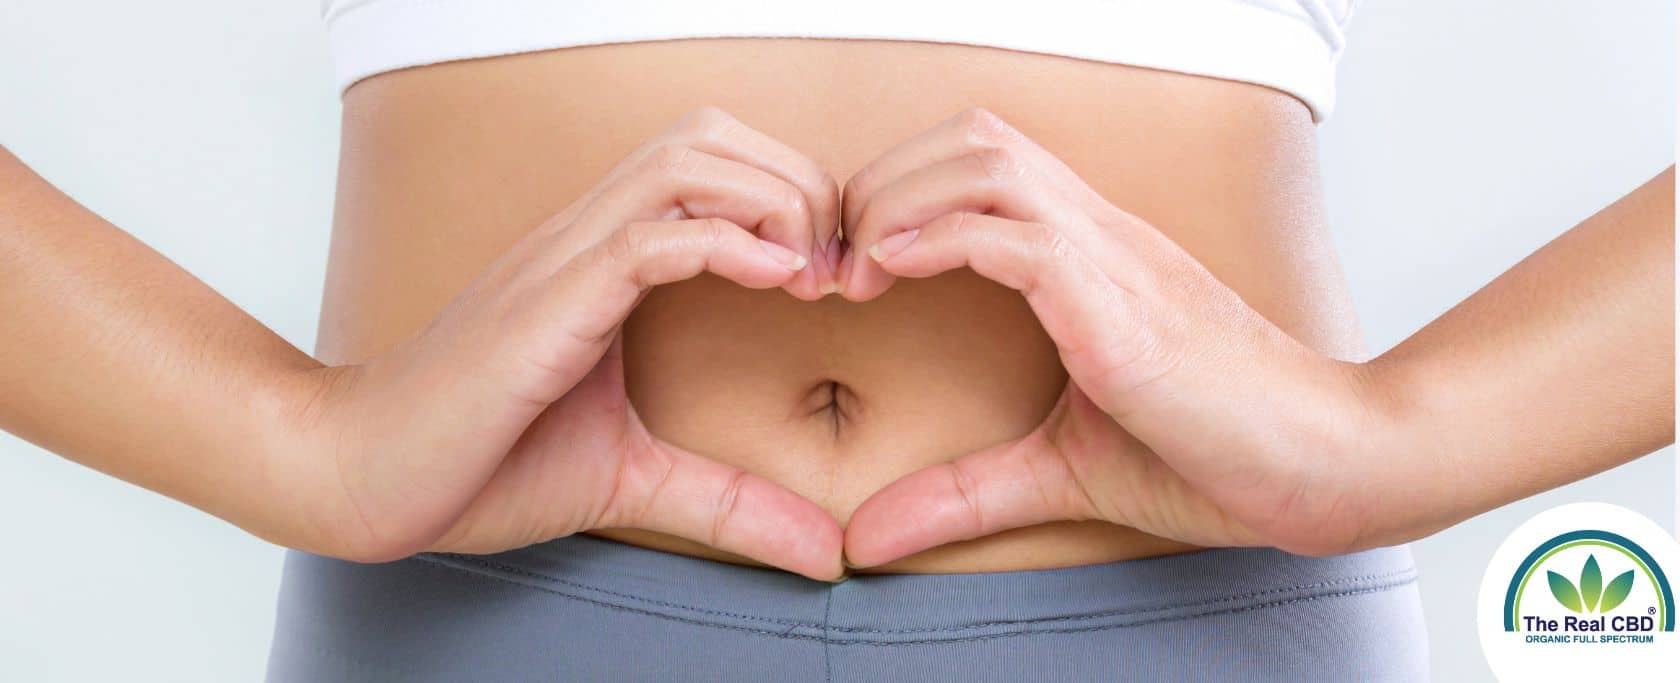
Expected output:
(501, 424)
(1188, 415)
(1561, 368)
(118, 359)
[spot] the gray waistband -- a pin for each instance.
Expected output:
(912, 608)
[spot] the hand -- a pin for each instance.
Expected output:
(505, 422)
(1186, 415)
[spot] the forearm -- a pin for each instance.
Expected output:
(1190, 415)
(116, 358)
(1561, 368)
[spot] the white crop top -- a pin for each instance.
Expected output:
(1290, 45)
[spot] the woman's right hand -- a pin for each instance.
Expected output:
(505, 421)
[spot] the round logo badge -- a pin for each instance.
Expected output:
(1581, 590)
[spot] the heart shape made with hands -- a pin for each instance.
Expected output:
(1155, 429)
(1120, 301)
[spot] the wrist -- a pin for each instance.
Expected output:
(305, 434)
(1378, 455)
(1315, 440)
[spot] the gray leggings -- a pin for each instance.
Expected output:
(588, 609)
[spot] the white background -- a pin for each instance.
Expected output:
(1467, 135)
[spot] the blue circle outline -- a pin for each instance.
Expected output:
(1510, 615)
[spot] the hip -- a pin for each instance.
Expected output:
(588, 609)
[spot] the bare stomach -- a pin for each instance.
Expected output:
(445, 166)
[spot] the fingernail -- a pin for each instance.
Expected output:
(829, 287)
(885, 249)
(783, 255)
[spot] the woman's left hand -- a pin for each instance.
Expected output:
(1186, 415)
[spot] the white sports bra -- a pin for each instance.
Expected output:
(1290, 45)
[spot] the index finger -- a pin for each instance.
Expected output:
(714, 131)
(970, 131)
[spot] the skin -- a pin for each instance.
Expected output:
(1189, 415)
(1193, 409)
(528, 358)
(442, 167)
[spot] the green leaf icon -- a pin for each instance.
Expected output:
(1617, 591)
(1591, 583)
(1564, 591)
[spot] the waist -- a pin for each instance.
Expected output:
(444, 166)
(906, 610)
(585, 609)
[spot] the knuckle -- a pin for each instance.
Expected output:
(669, 159)
(996, 163)
(794, 200)
(1043, 240)
(1040, 248)
(728, 499)
(975, 119)
(968, 488)
(981, 127)
(955, 224)
(713, 231)
(639, 480)
(707, 122)
(818, 190)
(629, 243)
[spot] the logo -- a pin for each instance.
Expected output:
(1580, 590)
(1588, 610)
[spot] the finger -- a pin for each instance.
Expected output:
(673, 491)
(989, 181)
(1108, 340)
(713, 131)
(1005, 487)
(678, 182)
(576, 311)
(967, 132)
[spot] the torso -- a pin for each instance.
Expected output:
(445, 166)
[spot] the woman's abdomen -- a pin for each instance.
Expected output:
(445, 166)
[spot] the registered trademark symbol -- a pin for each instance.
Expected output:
(1651, 610)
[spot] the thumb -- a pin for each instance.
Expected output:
(1012, 485)
(667, 489)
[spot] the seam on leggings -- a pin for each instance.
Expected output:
(1410, 573)
(828, 664)
(1145, 622)
(788, 634)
